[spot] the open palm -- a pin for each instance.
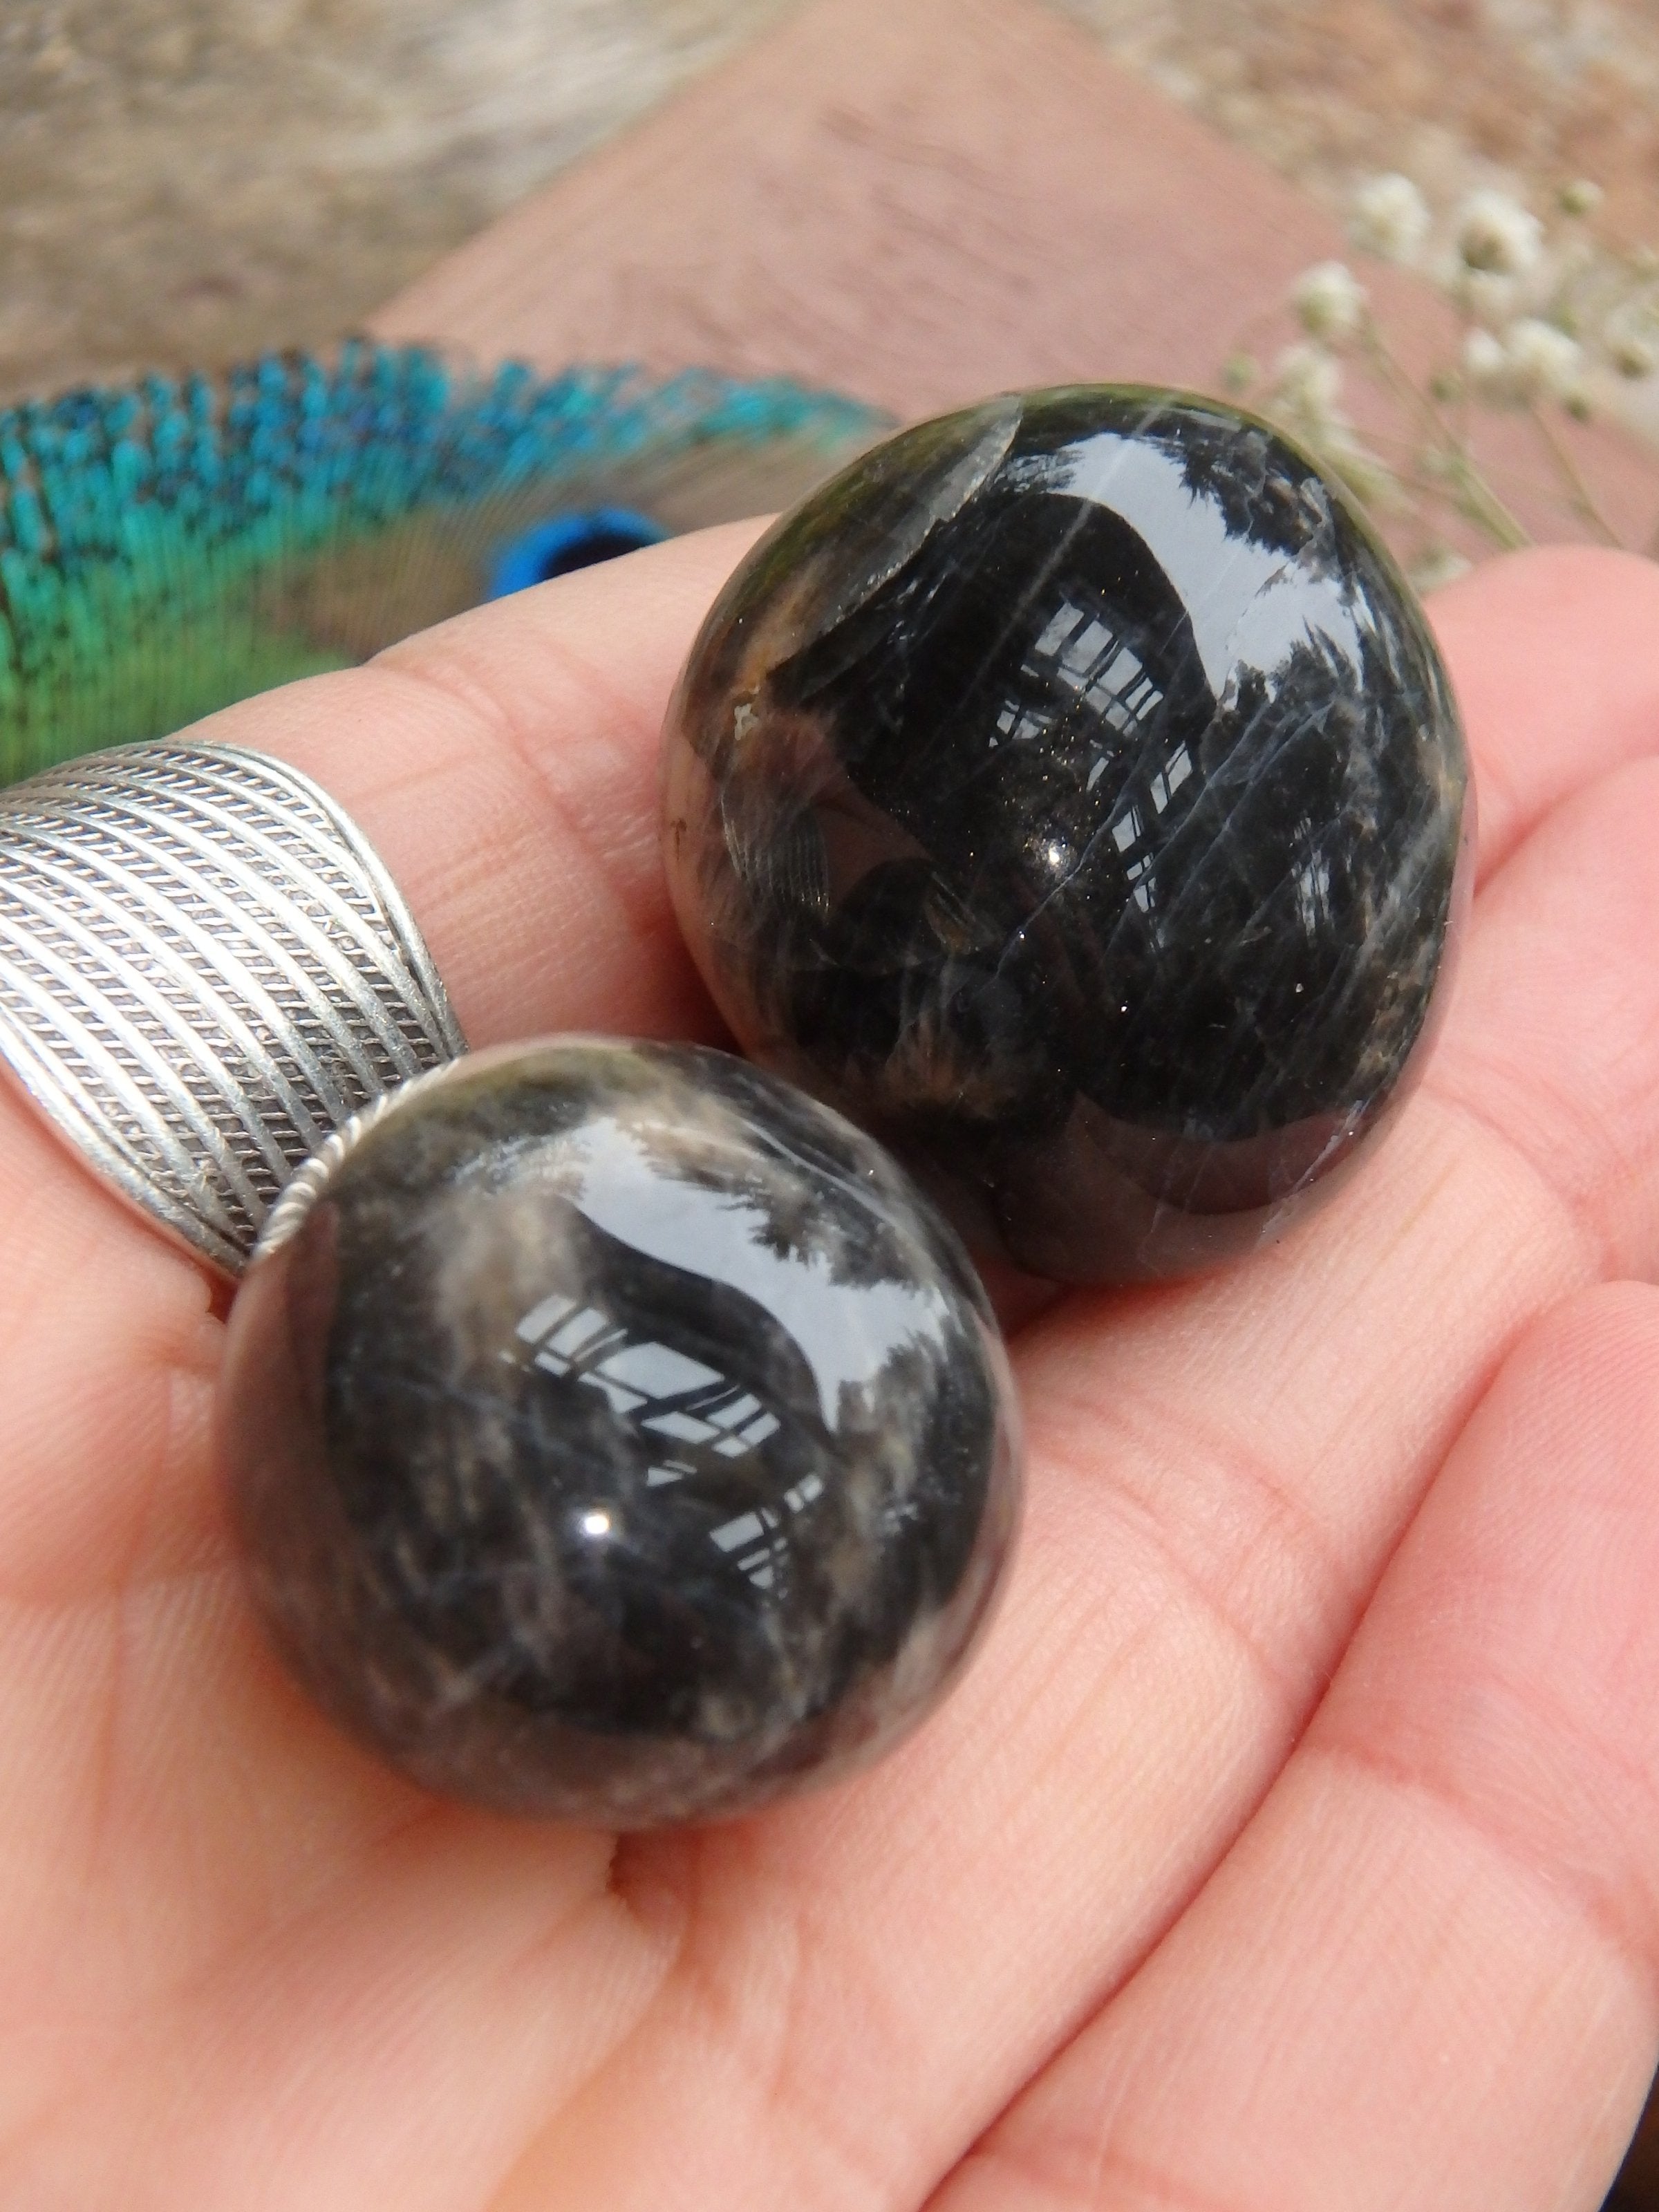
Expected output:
(1292, 1845)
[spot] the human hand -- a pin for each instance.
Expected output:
(1292, 1845)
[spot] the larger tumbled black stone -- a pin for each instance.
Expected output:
(615, 1433)
(1071, 791)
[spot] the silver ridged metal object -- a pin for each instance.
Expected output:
(205, 971)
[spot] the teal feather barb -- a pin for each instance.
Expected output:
(177, 545)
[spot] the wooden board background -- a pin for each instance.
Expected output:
(920, 201)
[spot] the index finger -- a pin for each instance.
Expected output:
(504, 767)
(1564, 691)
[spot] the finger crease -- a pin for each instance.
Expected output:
(1588, 1234)
(1228, 1465)
(1098, 2166)
(1587, 1899)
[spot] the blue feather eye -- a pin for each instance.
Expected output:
(568, 541)
(168, 548)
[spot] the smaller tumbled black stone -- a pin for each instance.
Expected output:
(615, 1433)
(1071, 791)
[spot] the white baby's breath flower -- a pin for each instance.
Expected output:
(1497, 234)
(1531, 360)
(1390, 218)
(1544, 362)
(1329, 300)
(1489, 298)
(1308, 384)
(1486, 365)
(1581, 197)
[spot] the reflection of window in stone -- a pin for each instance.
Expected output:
(634, 1376)
(1021, 724)
(756, 1536)
(759, 1536)
(1134, 828)
(671, 1470)
(704, 1427)
(1081, 652)
(1129, 835)
(1169, 778)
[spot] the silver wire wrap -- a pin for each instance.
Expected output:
(204, 972)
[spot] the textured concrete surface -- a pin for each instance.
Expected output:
(181, 179)
(1457, 93)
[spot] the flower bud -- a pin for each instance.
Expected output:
(1308, 384)
(1329, 300)
(1497, 234)
(1580, 197)
(1544, 362)
(1390, 218)
(1486, 365)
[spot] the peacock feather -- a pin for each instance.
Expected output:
(172, 545)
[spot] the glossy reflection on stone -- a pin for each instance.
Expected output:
(615, 1433)
(1071, 791)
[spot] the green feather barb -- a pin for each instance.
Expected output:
(172, 546)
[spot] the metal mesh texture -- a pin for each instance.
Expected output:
(204, 971)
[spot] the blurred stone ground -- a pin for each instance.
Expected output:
(191, 180)
(1525, 93)
(196, 180)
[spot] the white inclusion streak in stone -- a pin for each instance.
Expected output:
(1246, 601)
(846, 1332)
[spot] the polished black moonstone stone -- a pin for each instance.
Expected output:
(1071, 791)
(614, 1433)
